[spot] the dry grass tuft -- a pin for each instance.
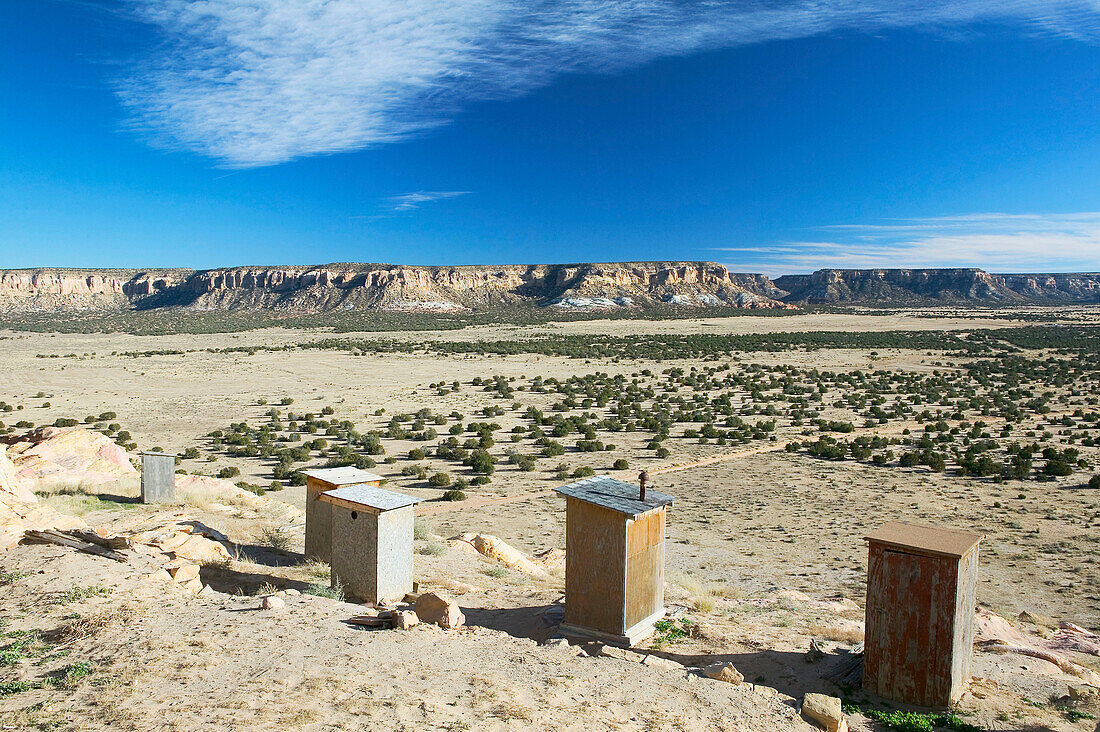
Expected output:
(834, 632)
(90, 626)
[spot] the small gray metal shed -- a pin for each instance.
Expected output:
(158, 477)
(372, 542)
(318, 515)
(614, 559)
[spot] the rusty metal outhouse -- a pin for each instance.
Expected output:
(920, 613)
(319, 515)
(615, 559)
(372, 542)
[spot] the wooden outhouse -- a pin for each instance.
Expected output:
(920, 613)
(158, 477)
(614, 559)
(372, 542)
(319, 515)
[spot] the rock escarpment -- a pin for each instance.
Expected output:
(929, 286)
(593, 286)
(389, 287)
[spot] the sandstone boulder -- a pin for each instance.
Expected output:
(824, 711)
(18, 517)
(404, 619)
(182, 571)
(11, 486)
(433, 607)
(493, 547)
(272, 603)
(723, 672)
(52, 456)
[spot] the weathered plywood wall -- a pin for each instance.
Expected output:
(318, 521)
(645, 562)
(595, 546)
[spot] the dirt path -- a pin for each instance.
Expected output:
(435, 508)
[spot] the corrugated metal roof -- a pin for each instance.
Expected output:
(347, 475)
(370, 496)
(926, 539)
(603, 490)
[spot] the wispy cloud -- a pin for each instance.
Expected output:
(413, 201)
(992, 241)
(258, 82)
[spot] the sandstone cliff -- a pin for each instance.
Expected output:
(926, 286)
(332, 287)
(388, 287)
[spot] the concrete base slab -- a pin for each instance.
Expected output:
(632, 637)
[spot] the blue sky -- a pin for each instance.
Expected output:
(775, 137)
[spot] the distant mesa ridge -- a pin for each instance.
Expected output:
(589, 286)
(929, 286)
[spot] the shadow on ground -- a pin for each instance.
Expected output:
(232, 582)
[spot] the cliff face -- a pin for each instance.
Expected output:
(927, 286)
(573, 286)
(390, 287)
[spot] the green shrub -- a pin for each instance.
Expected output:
(453, 495)
(439, 480)
(620, 464)
(229, 472)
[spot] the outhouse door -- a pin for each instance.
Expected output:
(900, 615)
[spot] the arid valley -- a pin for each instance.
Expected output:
(784, 439)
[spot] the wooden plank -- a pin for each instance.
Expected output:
(644, 566)
(111, 541)
(56, 537)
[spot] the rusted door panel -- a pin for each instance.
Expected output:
(910, 626)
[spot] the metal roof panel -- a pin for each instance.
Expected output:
(617, 495)
(370, 496)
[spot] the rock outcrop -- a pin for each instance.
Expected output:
(55, 456)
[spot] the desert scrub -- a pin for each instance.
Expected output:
(316, 570)
(334, 592)
(71, 674)
(495, 572)
(10, 576)
(76, 593)
(433, 549)
(671, 631)
(422, 530)
(903, 721)
(274, 538)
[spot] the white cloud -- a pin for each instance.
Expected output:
(1003, 243)
(413, 201)
(258, 82)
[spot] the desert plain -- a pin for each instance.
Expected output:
(782, 455)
